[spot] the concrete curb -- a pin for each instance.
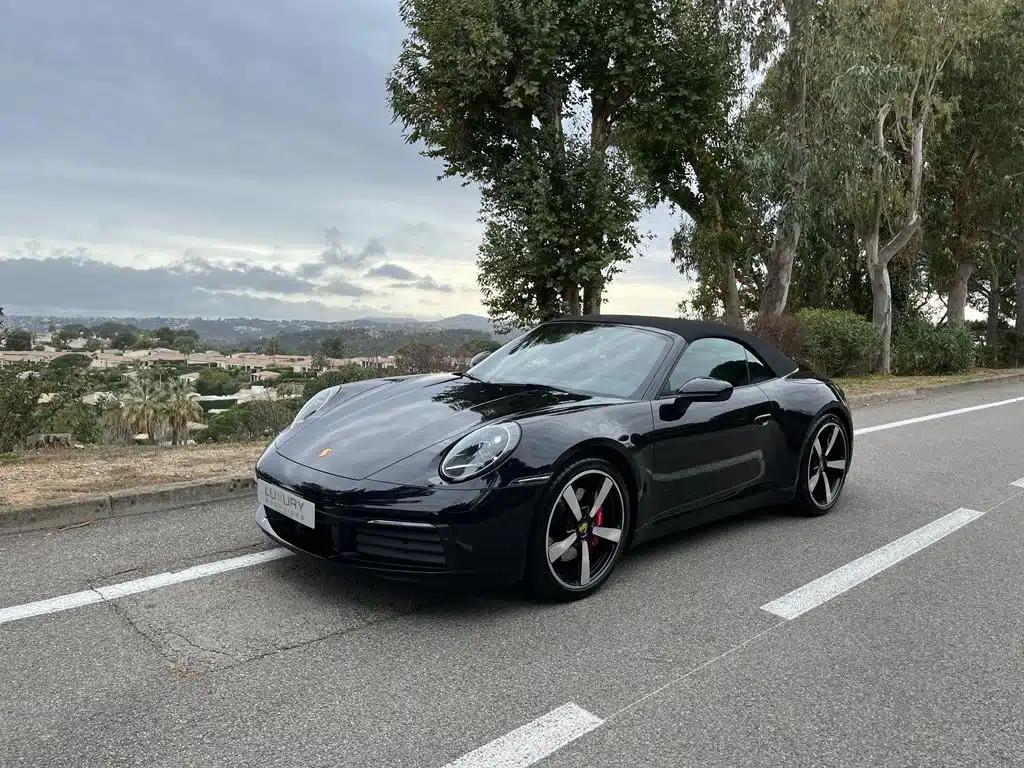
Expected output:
(140, 501)
(897, 395)
(22, 518)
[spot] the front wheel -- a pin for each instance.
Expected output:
(824, 466)
(580, 531)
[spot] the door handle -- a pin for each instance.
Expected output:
(763, 419)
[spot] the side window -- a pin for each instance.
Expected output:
(759, 372)
(711, 358)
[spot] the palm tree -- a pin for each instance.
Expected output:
(181, 406)
(144, 407)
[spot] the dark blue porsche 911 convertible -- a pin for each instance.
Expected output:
(549, 457)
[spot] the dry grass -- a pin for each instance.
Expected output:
(861, 385)
(39, 476)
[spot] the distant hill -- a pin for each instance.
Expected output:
(368, 336)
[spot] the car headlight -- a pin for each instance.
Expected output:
(479, 451)
(314, 404)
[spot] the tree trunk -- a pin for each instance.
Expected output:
(879, 256)
(571, 296)
(881, 302)
(593, 293)
(733, 312)
(992, 330)
(1019, 295)
(787, 235)
(958, 288)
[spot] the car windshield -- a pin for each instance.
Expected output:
(605, 360)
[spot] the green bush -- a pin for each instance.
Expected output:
(255, 420)
(213, 381)
(838, 342)
(19, 412)
(73, 417)
(923, 349)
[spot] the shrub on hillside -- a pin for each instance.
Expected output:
(838, 342)
(255, 420)
(213, 381)
(923, 349)
(19, 412)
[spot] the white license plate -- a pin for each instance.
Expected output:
(286, 503)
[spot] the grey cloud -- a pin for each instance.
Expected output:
(172, 134)
(239, 275)
(68, 284)
(336, 255)
(392, 272)
(426, 284)
(341, 287)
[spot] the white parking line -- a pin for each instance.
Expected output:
(125, 588)
(1018, 483)
(832, 584)
(933, 416)
(532, 742)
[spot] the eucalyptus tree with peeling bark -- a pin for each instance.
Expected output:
(878, 69)
(800, 18)
(977, 185)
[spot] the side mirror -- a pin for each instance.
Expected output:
(704, 391)
(478, 358)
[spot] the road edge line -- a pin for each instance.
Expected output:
(530, 743)
(821, 590)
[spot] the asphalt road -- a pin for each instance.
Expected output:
(674, 663)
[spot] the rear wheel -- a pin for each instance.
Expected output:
(824, 466)
(580, 531)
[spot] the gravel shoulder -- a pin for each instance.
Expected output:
(62, 474)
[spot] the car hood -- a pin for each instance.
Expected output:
(372, 425)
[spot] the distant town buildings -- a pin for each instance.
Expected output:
(251, 362)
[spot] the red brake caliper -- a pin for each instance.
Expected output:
(592, 539)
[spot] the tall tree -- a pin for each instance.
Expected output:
(551, 81)
(793, 140)
(979, 164)
(684, 138)
(878, 68)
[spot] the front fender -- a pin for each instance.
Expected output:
(547, 439)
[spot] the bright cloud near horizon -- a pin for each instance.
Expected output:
(233, 158)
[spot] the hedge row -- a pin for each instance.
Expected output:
(842, 343)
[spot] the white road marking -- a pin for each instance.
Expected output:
(933, 416)
(532, 742)
(1018, 483)
(114, 591)
(832, 584)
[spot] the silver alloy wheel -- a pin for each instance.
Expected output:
(585, 529)
(827, 465)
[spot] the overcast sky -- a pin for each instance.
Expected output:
(228, 158)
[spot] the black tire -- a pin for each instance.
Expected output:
(553, 579)
(818, 488)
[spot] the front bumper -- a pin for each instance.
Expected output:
(403, 532)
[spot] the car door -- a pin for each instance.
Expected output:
(706, 452)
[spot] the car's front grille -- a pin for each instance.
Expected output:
(380, 544)
(418, 546)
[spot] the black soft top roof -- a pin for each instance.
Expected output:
(691, 330)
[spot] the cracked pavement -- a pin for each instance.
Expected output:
(293, 663)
